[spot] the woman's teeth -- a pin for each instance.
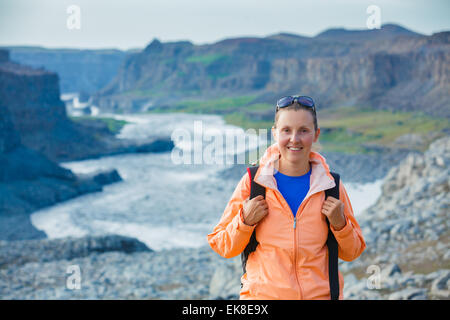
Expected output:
(294, 149)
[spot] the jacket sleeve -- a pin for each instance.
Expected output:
(350, 240)
(231, 235)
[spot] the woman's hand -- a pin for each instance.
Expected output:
(254, 210)
(333, 209)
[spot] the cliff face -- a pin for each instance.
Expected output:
(30, 110)
(392, 68)
(9, 138)
(32, 97)
(402, 81)
(37, 113)
(17, 161)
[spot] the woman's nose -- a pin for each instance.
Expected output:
(295, 137)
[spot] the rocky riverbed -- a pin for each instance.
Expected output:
(110, 267)
(407, 255)
(408, 230)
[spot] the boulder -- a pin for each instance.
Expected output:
(441, 285)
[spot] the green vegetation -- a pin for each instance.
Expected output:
(349, 128)
(113, 125)
(220, 105)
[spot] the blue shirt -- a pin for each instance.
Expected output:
(293, 189)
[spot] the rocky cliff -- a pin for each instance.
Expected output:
(9, 137)
(35, 133)
(391, 68)
(28, 179)
(37, 113)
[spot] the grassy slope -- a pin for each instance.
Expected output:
(349, 128)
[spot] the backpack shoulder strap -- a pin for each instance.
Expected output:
(334, 192)
(332, 244)
(255, 190)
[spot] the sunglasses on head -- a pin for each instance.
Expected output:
(302, 100)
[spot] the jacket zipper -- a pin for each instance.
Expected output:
(295, 232)
(295, 241)
(295, 255)
(295, 235)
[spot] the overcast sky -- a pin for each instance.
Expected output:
(128, 24)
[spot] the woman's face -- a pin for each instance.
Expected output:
(295, 134)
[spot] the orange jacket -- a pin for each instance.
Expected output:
(289, 263)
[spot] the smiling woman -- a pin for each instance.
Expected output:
(296, 226)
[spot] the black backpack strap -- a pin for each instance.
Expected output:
(333, 245)
(255, 190)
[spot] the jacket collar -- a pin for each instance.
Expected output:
(321, 178)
